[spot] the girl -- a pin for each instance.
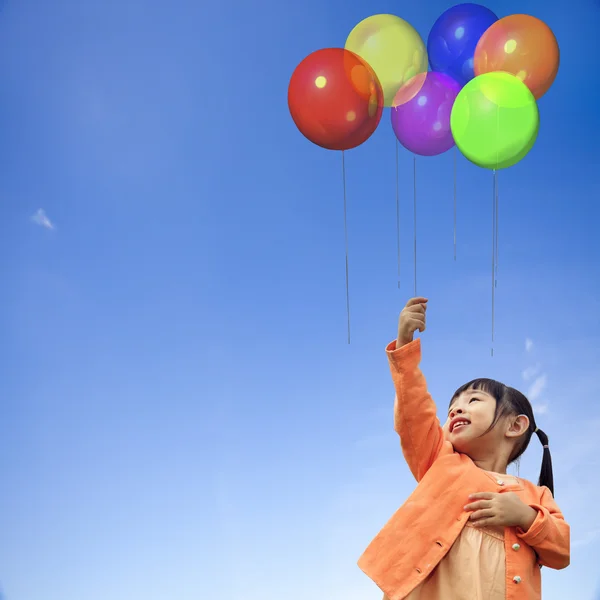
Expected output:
(469, 531)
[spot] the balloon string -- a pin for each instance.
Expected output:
(398, 209)
(346, 239)
(495, 230)
(415, 214)
(497, 196)
(455, 150)
(493, 254)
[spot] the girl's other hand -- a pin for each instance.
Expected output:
(504, 510)
(412, 318)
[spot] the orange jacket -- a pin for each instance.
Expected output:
(424, 528)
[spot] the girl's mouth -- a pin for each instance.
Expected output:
(459, 425)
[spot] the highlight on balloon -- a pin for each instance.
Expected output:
(474, 84)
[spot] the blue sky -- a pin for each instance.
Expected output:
(182, 416)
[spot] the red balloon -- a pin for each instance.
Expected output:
(335, 99)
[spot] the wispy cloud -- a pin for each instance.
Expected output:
(530, 372)
(537, 387)
(587, 538)
(40, 218)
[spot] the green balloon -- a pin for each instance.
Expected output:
(495, 120)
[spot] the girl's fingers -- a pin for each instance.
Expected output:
(420, 308)
(483, 496)
(484, 523)
(417, 300)
(485, 513)
(412, 317)
(417, 323)
(478, 505)
(416, 309)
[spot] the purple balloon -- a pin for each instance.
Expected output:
(422, 125)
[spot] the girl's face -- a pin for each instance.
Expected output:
(469, 417)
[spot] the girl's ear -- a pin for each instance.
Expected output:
(518, 426)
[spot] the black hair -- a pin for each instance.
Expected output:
(510, 401)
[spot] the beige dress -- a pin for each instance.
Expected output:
(473, 569)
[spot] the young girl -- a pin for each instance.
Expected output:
(469, 531)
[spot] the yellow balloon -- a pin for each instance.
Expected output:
(393, 49)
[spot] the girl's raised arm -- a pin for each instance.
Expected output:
(415, 416)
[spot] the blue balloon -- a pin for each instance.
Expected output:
(453, 38)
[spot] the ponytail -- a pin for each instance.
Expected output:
(546, 476)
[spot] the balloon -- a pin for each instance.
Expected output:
(392, 47)
(495, 120)
(521, 45)
(335, 99)
(453, 38)
(422, 124)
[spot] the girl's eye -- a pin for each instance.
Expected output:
(471, 400)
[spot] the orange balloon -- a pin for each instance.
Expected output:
(523, 46)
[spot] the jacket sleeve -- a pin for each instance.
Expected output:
(415, 418)
(550, 534)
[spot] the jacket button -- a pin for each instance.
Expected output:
(515, 547)
(500, 482)
(517, 579)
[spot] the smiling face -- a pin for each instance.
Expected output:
(470, 416)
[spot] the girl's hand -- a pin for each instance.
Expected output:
(504, 510)
(412, 318)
